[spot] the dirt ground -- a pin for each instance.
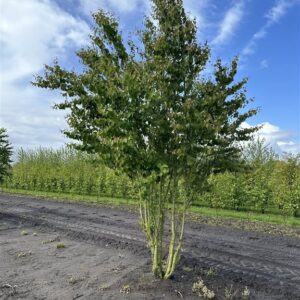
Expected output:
(56, 250)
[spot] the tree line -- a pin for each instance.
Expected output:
(267, 183)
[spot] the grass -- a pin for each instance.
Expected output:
(103, 287)
(249, 216)
(187, 269)
(60, 246)
(24, 232)
(230, 293)
(202, 291)
(210, 272)
(74, 279)
(194, 212)
(69, 197)
(21, 254)
(125, 289)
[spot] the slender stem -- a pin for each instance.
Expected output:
(175, 255)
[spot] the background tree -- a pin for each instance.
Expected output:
(5, 154)
(147, 112)
(286, 183)
(257, 152)
(261, 159)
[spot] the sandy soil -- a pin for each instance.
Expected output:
(105, 257)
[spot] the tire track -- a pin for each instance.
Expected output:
(273, 261)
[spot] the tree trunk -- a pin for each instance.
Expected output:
(152, 213)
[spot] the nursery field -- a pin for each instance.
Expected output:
(166, 185)
(55, 250)
(265, 185)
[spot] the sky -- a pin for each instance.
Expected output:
(264, 34)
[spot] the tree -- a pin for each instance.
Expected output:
(257, 153)
(5, 154)
(148, 112)
(286, 182)
(262, 160)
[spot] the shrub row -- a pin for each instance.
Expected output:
(67, 171)
(268, 185)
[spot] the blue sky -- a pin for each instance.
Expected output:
(265, 34)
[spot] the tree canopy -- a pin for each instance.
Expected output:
(146, 109)
(5, 154)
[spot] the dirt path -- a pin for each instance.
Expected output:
(105, 252)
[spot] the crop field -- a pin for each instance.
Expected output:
(58, 250)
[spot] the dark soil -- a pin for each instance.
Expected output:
(105, 257)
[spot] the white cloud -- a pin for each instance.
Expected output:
(279, 10)
(264, 64)
(197, 9)
(280, 140)
(33, 33)
(91, 6)
(26, 113)
(194, 8)
(41, 32)
(273, 16)
(289, 147)
(229, 23)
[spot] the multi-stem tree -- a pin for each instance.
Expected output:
(5, 154)
(147, 111)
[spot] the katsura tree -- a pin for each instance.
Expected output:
(147, 111)
(5, 154)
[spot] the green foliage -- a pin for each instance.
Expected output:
(147, 109)
(268, 184)
(149, 113)
(286, 181)
(257, 153)
(269, 187)
(67, 171)
(5, 154)
(60, 246)
(227, 190)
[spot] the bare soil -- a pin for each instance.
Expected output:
(102, 255)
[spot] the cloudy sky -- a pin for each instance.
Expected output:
(264, 34)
